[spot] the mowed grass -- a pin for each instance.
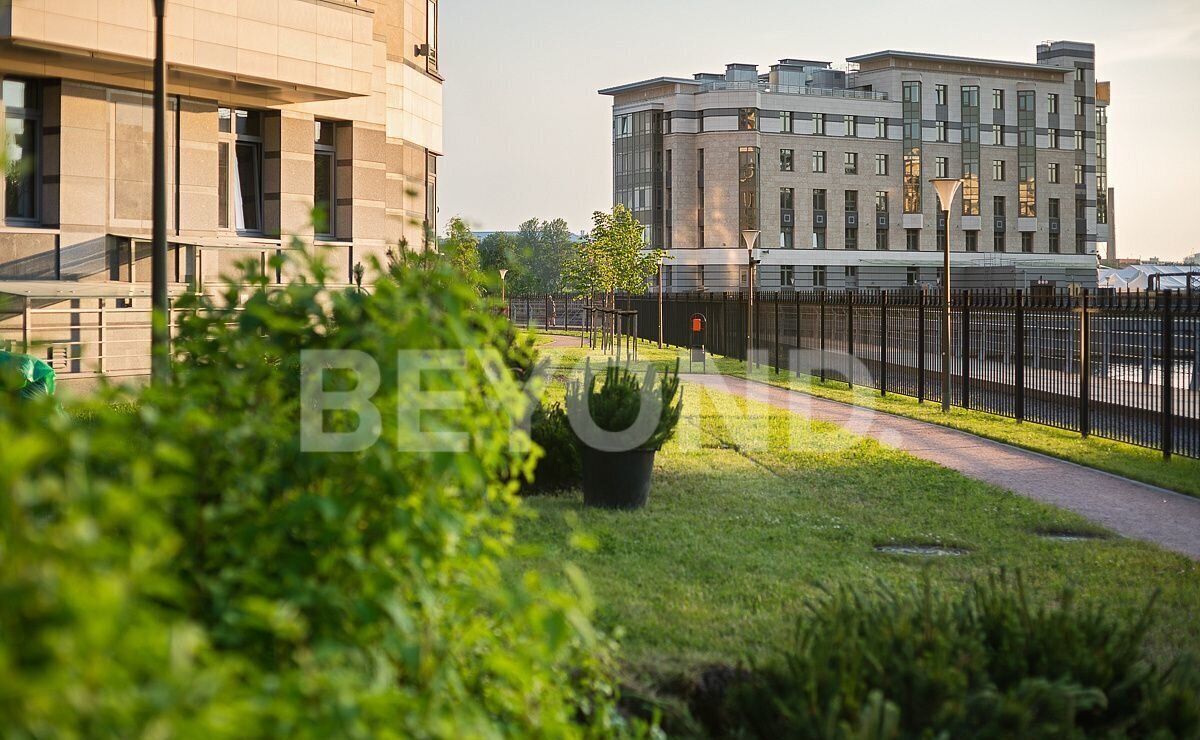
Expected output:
(753, 511)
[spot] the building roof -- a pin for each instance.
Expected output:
(647, 83)
(873, 56)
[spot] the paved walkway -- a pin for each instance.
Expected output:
(1127, 507)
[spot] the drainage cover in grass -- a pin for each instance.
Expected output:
(929, 551)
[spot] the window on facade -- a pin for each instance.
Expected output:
(851, 161)
(818, 199)
(911, 110)
(787, 160)
(881, 202)
(819, 124)
(1052, 173)
(941, 167)
(998, 242)
(242, 132)
(431, 35)
(851, 201)
(1054, 242)
(999, 206)
(998, 170)
(1052, 138)
(786, 121)
(912, 239)
(1080, 244)
(787, 199)
(787, 238)
(997, 134)
(818, 161)
(1079, 141)
(940, 91)
(851, 125)
(1078, 105)
(939, 128)
(912, 276)
(787, 275)
(881, 164)
(1079, 74)
(1027, 241)
(818, 276)
(1026, 154)
(880, 128)
(972, 241)
(818, 238)
(881, 239)
(997, 99)
(325, 178)
(851, 237)
(22, 137)
(1053, 208)
(1052, 103)
(748, 119)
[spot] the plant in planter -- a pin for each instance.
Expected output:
(621, 425)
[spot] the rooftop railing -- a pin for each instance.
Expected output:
(764, 87)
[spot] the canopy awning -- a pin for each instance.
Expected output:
(67, 289)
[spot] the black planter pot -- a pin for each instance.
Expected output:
(616, 480)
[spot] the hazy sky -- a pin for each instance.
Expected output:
(527, 135)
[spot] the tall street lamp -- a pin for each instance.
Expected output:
(160, 332)
(947, 188)
(750, 239)
(503, 275)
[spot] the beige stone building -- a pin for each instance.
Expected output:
(829, 167)
(275, 106)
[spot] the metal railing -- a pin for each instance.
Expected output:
(1121, 366)
(764, 87)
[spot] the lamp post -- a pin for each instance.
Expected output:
(503, 302)
(750, 238)
(947, 188)
(160, 332)
(660, 304)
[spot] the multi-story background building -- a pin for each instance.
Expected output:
(275, 106)
(826, 170)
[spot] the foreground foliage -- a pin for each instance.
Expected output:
(181, 567)
(881, 664)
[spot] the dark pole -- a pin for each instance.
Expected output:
(946, 320)
(160, 339)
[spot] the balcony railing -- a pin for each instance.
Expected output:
(763, 87)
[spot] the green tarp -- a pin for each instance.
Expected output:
(26, 375)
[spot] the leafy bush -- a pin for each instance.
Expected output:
(987, 664)
(614, 407)
(560, 465)
(184, 568)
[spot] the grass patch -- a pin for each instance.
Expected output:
(753, 510)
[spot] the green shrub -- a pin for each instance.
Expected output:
(182, 568)
(987, 664)
(615, 406)
(559, 466)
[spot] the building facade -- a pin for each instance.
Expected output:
(275, 107)
(827, 170)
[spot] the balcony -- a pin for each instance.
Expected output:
(287, 51)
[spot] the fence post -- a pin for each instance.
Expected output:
(1020, 351)
(1085, 369)
(822, 336)
(965, 363)
(1168, 372)
(777, 332)
(883, 337)
(921, 346)
(850, 339)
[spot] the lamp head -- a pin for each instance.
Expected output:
(750, 238)
(503, 273)
(947, 188)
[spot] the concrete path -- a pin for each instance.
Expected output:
(1132, 509)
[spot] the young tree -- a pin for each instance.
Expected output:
(461, 247)
(614, 257)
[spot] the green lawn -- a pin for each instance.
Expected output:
(741, 529)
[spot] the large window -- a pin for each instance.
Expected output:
(22, 136)
(881, 164)
(912, 147)
(818, 161)
(970, 150)
(325, 178)
(431, 35)
(240, 153)
(939, 130)
(787, 122)
(881, 202)
(1026, 154)
(818, 276)
(787, 160)
(998, 170)
(851, 161)
(748, 119)
(851, 125)
(819, 124)
(1052, 103)
(880, 128)
(940, 91)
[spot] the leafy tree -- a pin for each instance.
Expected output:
(461, 247)
(613, 258)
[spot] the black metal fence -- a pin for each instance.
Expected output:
(1122, 366)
